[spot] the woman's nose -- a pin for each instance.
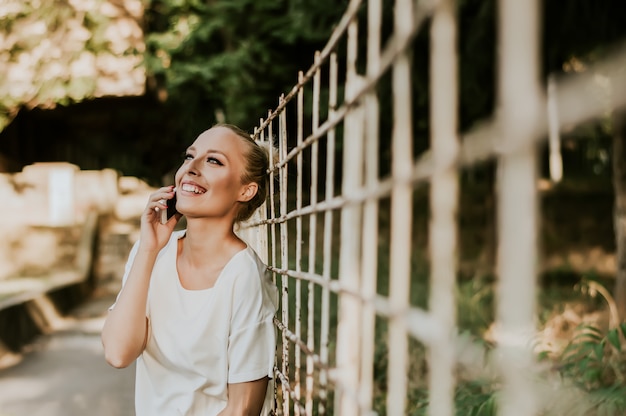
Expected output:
(192, 167)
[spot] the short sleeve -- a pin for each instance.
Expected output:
(252, 337)
(251, 352)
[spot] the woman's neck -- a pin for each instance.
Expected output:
(205, 240)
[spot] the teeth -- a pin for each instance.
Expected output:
(191, 188)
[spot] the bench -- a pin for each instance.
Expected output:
(26, 309)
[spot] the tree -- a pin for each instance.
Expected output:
(63, 52)
(233, 57)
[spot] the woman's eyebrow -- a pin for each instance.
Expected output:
(193, 149)
(219, 152)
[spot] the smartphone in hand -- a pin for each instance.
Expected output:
(168, 213)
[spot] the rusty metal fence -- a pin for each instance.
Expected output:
(346, 320)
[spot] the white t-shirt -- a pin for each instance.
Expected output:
(199, 341)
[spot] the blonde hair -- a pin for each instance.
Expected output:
(255, 171)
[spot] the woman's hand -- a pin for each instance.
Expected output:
(155, 235)
(125, 331)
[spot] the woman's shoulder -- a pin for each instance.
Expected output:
(251, 279)
(264, 275)
(247, 269)
(246, 264)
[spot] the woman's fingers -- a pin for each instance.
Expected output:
(164, 193)
(153, 234)
(158, 200)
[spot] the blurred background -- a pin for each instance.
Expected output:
(99, 98)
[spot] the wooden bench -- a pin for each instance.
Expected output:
(25, 308)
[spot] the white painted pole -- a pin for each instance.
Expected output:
(284, 243)
(444, 190)
(518, 108)
(312, 239)
(328, 237)
(349, 323)
(554, 139)
(369, 260)
(401, 215)
(298, 283)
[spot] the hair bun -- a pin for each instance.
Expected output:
(273, 155)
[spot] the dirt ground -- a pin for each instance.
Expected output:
(64, 374)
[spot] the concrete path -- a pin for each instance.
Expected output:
(64, 374)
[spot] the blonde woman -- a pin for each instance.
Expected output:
(197, 305)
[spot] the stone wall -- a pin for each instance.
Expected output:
(44, 207)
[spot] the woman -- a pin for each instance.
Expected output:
(196, 307)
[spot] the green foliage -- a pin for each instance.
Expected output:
(55, 52)
(475, 398)
(475, 305)
(591, 368)
(593, 360)
(234, 57)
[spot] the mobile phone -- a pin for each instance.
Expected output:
(168, 213)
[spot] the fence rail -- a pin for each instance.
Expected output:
(338, 234)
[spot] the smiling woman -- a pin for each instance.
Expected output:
(211, 178)
(197, 305)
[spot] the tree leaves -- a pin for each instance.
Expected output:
(55, 52)
(237, 56)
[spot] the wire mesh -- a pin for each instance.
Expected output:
(339, 234)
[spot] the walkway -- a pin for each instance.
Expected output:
(64, 374)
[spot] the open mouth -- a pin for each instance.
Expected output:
(192, 188)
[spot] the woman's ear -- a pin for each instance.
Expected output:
(248, 192)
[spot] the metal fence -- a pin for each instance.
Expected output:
(337, 230)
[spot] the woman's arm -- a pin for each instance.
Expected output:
(125, 330)
(126, 326)
(246, 399)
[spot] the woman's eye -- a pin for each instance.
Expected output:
(187, 156)
(213, 160)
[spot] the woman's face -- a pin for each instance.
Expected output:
(208, 184)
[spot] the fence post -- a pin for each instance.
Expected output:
(369, 264)
(401, 215)
(444, 192)
(328, 236)
(349, 322)
(518, 102)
